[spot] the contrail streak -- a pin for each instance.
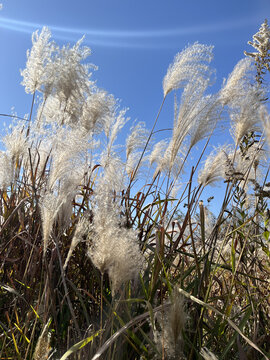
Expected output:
(120, 37)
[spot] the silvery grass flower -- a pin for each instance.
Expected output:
(246, 118)
(197, 114)
(265, 121)
(207, 354)
(171, 323)
(35, 75)
(6, 170)
(81, 231)
(244, 99)
(16, 141)
(214, 167)
(112, 247)
(261, 43)
(43, 347)
(235, 87)
(188, 65)
(135, 143)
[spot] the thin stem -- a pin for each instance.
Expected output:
(147, 142)
(31, 112)
(66, 289)
(14, 117)
(101, 308)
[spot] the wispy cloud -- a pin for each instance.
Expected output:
(125, 38)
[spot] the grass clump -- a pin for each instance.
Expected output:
(95, 266)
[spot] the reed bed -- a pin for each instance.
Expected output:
(107, 250)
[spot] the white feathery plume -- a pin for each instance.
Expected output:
(265, 120)
(205, 116)
(172, 326)
(56, 111)
(243, 96)
(39, 157)
(67, 190)
(238, 167)
(183, 122)
(175, 189)
(207, 354)
(43, 347)
(113, 179)
(97, 111)
(67, 155)
(113, 248)
(197, 115)
(71, 77)
(82, 230)
(39, 145)
(67, 167)
(134, 144)
(261, 42)
(6, 170)
(57, 206)
(172, 163)
(16, 142)
(67, 84)
(72, 82)
(113, 127)
(210, 221)
(162, 156)
(49, 207)
(157, 153)
(35, 73)
(247, 117)
(189, 64)
(70, 110)
(214, 167)
(131, 163)
(137, 139)
(176, 321)
(50, 112)
(241, 78)
(247, 166)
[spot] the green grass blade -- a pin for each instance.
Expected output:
(79, 345)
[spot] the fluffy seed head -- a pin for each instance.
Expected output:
(261, 43)
(113, 248)
(265, 119)
(34, 75)
(172, 326)
(16, 142)
(189, 64)
(239, 80)
(43, 347)
(82, 229)
(213, 169)
(6, 170)
(207, 354)
(246, 117)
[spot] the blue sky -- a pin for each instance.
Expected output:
(132, 42)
